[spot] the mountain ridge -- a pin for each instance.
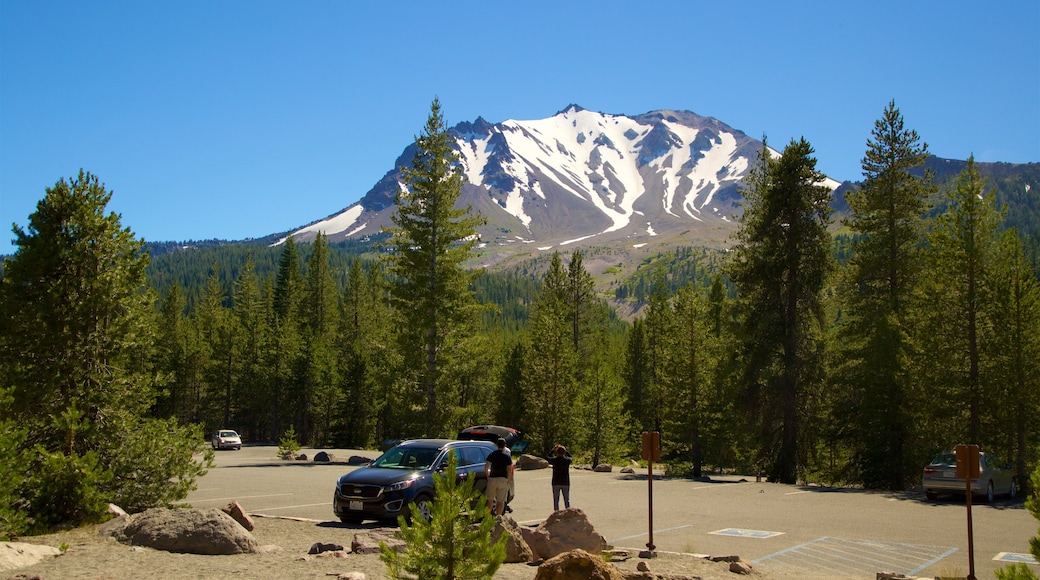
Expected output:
(581, 177)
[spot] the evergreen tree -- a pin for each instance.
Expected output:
(601, 406)
(77, 342)
(248, 396)
(286, 346)
(512, 409)
(429, 244)
(780, 264)
(961, 247)
(887, 213)
(550, 379)
(363, 345)
(322, 394)
(687, 372)
(1012, 367)
(448, 546)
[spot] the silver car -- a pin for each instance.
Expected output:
(227, 439)
(940, 476)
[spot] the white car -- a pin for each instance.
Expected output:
(227, 439)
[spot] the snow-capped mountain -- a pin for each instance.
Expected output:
(582, 176)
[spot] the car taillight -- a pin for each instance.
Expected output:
(930, 470)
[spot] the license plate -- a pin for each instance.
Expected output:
(357, 505)
(950, 474)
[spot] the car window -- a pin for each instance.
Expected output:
(406, 458)
(472, 456)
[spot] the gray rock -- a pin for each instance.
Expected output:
(189, 531)
(322, 457)
(318, 548)
(740, 568)
(358, 460)
(603, 468)
(563, 531)
(517, 549)
(368, 542)
(531, 462)
(577, 565)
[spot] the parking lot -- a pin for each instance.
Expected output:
(844, 533)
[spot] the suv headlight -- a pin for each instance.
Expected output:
(399, 485)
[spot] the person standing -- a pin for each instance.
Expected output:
(499, 472)
(561, 477)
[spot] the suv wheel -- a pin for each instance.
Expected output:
(424, 504)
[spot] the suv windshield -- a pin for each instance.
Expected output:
(407, 458)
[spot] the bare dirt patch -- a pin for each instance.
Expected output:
(91, 556)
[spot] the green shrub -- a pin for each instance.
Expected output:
(287, 444)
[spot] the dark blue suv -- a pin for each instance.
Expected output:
(403, 475)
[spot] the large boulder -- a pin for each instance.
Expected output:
(517, 549)
(577, 565)
(20, 554)
(563, 531)
(188, 531)
(531, 462)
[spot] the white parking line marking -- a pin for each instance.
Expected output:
(797, 492)
(289, 507)
(655, 531)
(239, 497)
(846, 557)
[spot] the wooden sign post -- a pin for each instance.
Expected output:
(968, 468)
(651, 453)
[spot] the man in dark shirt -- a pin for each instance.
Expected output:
(561, 478)
(499, 471)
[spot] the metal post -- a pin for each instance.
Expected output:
(971, 546)
(650, 488)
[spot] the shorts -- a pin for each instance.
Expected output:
(498, 489)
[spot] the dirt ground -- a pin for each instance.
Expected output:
(90, 556)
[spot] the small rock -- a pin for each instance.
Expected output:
(352, 576)
(358, 460)
(333, 554)
(322, 457)
(301, 457)
(642, 567)
(238, 514)
(319, 547)
(627, 470)
(740, 568)
(116, 510)
(725, 558)
(603, 468)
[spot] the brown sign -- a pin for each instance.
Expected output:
(967, 461)
(652, 446)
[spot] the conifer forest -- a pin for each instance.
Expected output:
(845, 349)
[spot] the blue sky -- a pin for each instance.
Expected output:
(237, 119)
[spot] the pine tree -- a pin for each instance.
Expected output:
(449, 546)
(1012, 366)
(550, 389)
(322, 395)
(887, 213)
(687, 371)
(780, 264)
(77, 342)
(961, 248)
(429, 244)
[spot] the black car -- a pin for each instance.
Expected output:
(403, 475)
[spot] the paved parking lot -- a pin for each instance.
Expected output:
(848, 533)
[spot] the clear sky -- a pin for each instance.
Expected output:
(236, 119)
